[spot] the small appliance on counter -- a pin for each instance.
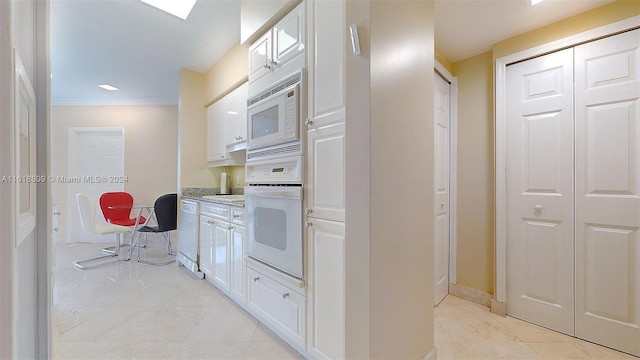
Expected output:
(225, 180)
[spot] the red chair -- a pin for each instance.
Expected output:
(116, 208)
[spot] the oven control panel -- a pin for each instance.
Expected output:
(277, 171)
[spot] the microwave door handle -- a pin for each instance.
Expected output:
(281, 194)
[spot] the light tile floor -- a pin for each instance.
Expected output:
(130, 310)
(465, 330)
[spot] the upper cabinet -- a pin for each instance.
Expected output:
(278, 45)
(227, 128)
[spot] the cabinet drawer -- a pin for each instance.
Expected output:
(217, 211)
(282, 307)
(237, 215)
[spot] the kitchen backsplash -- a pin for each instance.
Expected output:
(206, 191)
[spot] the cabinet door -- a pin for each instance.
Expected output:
(277, 304)
(236, 115)
(205, 238)
(289, 36)
(325, 190)
(216, 148)
(238, 270)
(260, 57)
(326, 288)
(222, 254)
(327, 63)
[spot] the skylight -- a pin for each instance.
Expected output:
(108, 87)
(179, 8)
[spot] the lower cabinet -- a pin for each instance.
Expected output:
(238, 265)
(205, 240)
(326, 288)
(282, 307)
(222, 255)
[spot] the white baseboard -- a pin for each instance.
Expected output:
(432, 355)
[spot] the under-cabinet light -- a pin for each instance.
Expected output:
(179, 8)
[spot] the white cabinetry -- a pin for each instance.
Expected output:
(278, 45)
(206, 245)
(325, 207)
(227, 125)
(326, 288)
(222, 244)
(280, 306)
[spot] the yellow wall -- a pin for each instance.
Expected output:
(402, 83)
(226, 74)
(444, 61)
(607, 14)
(151, 147)
(475, 172)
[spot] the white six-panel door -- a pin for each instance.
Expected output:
(573, 191)
(442, 122)
(539, 162)
(607, 123)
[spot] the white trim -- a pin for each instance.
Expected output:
(500, 144)
(453, 166)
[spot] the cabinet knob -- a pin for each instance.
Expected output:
(285, 295)
(230, 228)
(256, 279)
(267, 66)
(442, 205)
(236, 216)
(211, 222)
(538, 207)
(308, 211)
(308, 122)
(273, 62)
(308, 223)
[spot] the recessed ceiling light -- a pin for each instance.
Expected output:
(535, 2)
(179, 8)
(108, 87)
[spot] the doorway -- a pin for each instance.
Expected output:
(445, 98)
(572, 181)
(95, 156)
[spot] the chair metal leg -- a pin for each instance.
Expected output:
(111, 250)
(157, 263)
(80, 264)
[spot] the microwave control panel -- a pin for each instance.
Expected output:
(291, 112)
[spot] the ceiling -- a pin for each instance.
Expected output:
(140, 49)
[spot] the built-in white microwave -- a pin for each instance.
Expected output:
(273, 115)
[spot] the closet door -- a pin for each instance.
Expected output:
(607, 123)
(539, 135)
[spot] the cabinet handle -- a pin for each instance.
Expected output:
(211, 222)
(442, 205)
(267, 66)
(308, 211)
(538, 207)
(256, 279)
(273, 62)
(308, 223)
(236, 216)
(308, 122)
(285, 295)
(57, 213)
(230, 227)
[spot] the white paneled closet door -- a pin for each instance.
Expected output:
(607, 123)
(539, 162)
(577, 204)
(442, 144)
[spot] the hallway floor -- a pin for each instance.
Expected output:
(129, 310)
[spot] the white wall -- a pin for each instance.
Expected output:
(151, 148)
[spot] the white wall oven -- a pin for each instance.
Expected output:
(274, 214)
(273, 119)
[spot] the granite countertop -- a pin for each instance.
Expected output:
(215, 199)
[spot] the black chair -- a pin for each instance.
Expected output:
(165, 210)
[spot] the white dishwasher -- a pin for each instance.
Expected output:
(188, 237)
